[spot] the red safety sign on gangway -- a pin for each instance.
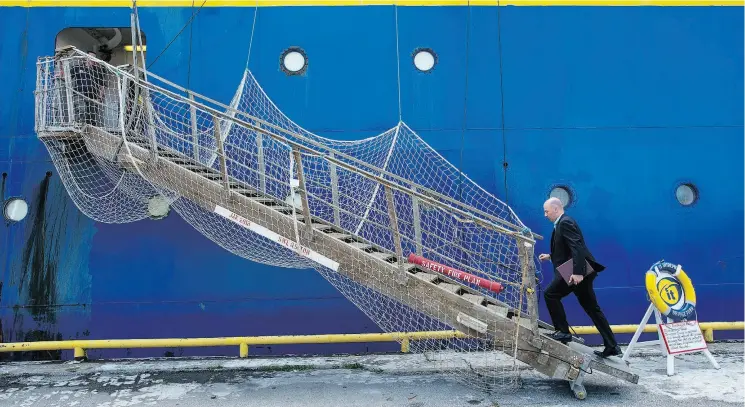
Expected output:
(455, 273)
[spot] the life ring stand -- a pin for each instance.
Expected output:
(665, 282)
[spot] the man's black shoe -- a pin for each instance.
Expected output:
(561, 337)
(609, 352)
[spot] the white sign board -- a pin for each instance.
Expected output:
(294, 246)
(682, 337)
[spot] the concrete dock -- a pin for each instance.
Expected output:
(409, 380)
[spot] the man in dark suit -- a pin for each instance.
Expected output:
(567, 243)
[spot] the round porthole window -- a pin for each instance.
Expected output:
(15, 209)
(293, 61)
(158, 207)
(686, 194)
(424, 59)
(563, 194)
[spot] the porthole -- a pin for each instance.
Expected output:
(158, 207)
(293, 61)
(15, 209)
(563, 193)
(686, 194)
(424, 59)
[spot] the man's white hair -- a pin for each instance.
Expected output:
(555, 202)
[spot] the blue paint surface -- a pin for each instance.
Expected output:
(620, 103)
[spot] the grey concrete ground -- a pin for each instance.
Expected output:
(370, 380)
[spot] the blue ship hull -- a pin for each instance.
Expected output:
(620, 104)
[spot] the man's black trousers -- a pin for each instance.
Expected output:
(585, 293)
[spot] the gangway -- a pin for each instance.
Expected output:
(284, 190)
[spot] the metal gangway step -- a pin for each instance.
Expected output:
(387, 271)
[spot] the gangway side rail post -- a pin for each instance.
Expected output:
(334, 190)
(303, 192)
(260, 159)
(43, 100)
(394, 227)
(525, 251)
(194, 126)
(221, 152)
(417, 222)
(150, 117)
(71, 108)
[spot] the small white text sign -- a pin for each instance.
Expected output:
(683, 337)
(301, 250)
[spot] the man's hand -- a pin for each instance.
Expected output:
(576, 279)
(544, 256)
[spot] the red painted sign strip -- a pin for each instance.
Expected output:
(455, 273)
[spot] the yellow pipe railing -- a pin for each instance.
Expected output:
(707, 328)
(79, 347)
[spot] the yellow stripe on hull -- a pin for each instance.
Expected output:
(279, 3)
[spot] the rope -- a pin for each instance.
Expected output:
(501, 94)
(465, 103)
(193, 16)
(398, 66)
(191, 40)
(225, 131)
(253, 27)
(377, 185)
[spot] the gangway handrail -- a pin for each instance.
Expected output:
(336, 161)
(334, 151)
(489, 222)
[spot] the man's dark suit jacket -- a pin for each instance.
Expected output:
(567, 243)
